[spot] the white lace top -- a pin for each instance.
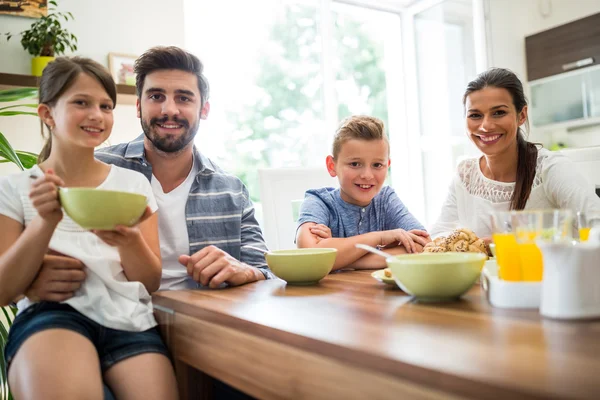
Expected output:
(473, 197)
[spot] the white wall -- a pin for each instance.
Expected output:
(102, 27)
(510, 21)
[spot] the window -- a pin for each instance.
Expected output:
(282, 75)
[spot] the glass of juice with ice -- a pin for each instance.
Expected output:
(584, 223)
(507, 252)
(527, 226)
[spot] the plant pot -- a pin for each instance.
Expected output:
(38, 64)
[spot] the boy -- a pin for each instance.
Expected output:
(362, 210)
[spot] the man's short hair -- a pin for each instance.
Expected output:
(171, 57)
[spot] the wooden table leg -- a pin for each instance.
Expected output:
(192, 384)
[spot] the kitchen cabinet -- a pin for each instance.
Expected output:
(565, 48)
(569, 99)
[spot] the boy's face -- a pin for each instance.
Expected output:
(361, 167)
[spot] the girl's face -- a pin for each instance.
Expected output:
(361, 167)
(492, 119)
(83, 114)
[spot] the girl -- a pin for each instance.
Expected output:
(107, 330)
(512, 173)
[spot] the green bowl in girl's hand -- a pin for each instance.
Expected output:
(102, 209)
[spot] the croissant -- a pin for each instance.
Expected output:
(461, 240)
(471, 235)
(480, 246)
(434, 249)
(460, 245)
(441, 242)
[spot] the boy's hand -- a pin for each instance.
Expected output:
(44, 197)
(420, 236)
(123, 235)
(321, 232)
(406, 239)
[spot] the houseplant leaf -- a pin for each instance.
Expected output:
(8, 314)
(9, 153)
(17, 94)
(19, 105)
(27, 158)
(13, 113)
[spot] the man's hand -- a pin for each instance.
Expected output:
(59, 278)
(212, 266)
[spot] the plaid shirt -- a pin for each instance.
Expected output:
(218, 211)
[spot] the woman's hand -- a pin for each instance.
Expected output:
(123, 235)
(321, 232)
(44, 197)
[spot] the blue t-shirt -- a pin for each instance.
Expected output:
(385, 212)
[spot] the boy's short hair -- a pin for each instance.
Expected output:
(361, 127)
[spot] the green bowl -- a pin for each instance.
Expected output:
(436, 276)
(102, 209)
(301, 266)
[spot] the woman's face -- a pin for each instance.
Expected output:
(492, 119)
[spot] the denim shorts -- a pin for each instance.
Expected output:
(112, 345)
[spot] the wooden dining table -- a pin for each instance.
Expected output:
(353, 337)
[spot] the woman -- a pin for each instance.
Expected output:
(512, 174)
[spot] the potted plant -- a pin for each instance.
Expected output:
(7, 316)
(23, 159)
(47, 38)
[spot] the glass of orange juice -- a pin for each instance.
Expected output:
(584, 223)
(507, 252)
(527, 226)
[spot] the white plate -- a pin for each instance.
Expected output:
(380, 276)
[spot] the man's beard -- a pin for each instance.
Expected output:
(169, 143)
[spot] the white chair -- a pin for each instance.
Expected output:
(587, 161)
(279, 189)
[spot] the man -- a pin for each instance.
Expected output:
(205, 214)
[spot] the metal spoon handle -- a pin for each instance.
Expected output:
(256, 248)
(372, 250)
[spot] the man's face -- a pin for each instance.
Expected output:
(170, 109)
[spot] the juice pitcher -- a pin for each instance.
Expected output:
(571, 283)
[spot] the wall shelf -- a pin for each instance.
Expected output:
(125, 93)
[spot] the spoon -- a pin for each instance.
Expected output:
(256, 248)
(372, 250)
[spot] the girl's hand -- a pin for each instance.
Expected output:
(321, 232)
(44, 197)
(123, 235)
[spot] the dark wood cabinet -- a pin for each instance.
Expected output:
(564, 48)
(126, 93)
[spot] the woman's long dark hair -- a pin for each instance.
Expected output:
(59, 75)
(527, 151)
